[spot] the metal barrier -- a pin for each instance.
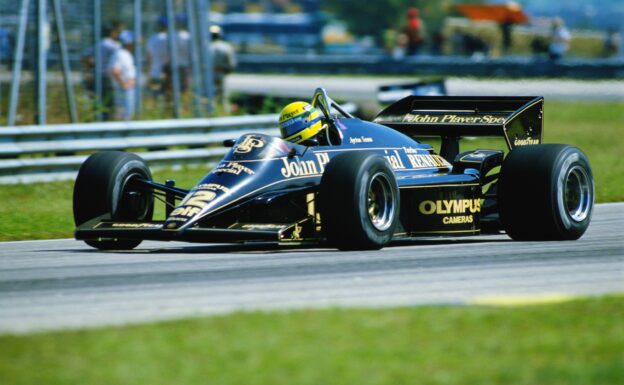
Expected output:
(611, 68)
(53, 152)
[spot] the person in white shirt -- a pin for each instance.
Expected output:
(559, 40)
(122, 72)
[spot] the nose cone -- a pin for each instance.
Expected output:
(248, 169)
(199, 201)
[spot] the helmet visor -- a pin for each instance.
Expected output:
(297, 124)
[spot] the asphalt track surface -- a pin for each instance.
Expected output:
(364, 89)
(60, 284)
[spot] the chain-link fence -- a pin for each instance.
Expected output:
(251, 26)
(79, 22)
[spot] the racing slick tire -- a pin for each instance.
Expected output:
(546, 192)
(104, 188)
(359, 202)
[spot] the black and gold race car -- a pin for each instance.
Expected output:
(360, 186)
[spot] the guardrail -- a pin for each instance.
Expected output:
(53, 152)
(612, 68)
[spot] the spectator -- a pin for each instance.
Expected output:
(457, 42)
(506, 27)
(108, 46)
(437, 42)
(122, 71)
(389, 40)
(611, 43)
(415, 32)
(158, 57)
(224, 62)
(539, 46)
(400, 48)
(559, 40)
(7, 44)
(184, 51)
(476, 46)
(87, 62)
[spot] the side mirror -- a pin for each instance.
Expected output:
(229, 142)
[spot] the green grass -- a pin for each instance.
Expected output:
(40, 211)
(598, 129)
(578, 342)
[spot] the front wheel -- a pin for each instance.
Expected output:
(108, 187)
(546, 192)
(359, 201)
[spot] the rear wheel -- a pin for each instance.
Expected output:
(546, 192)
(359, 201)
(108, 187)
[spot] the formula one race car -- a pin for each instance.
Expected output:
(364, 185)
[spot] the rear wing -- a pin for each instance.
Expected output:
(517, 119)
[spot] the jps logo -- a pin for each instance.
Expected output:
(248, 144)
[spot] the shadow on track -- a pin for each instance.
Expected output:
(275, 248)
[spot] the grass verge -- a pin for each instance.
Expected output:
(578, 342)
(41, 211)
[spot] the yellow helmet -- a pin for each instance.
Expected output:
(299, 121)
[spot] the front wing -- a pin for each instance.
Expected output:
(99, 229)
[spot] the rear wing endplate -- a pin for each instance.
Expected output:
(517, 119)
